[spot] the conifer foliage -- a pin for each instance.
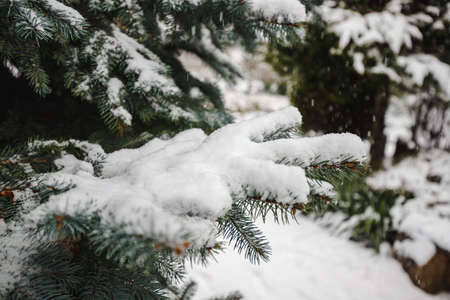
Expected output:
(360, 57)
(80, 223)
(108, 52)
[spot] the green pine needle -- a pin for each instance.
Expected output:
(239, 229)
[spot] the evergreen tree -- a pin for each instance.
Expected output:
(331, 94)
(359, 56)
(118, 60)
(80, 223)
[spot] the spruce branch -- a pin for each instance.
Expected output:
(318, 204)
(126, 63)
(237, 227)
(281, 133)
(333, 172)
(54, 271)
(37, 77)
(112, 122)
(257, 205)
(203, 254)
(128, 252)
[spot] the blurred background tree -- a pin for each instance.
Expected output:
(381, 69)
(360, 56)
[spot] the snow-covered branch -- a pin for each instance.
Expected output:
(173, 191)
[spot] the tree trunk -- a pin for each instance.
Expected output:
(378, 136)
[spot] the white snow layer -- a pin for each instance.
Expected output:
(12, 254)
(399, 119)
(389, 26)
(16, 246)
(67, 13)
(426, 217)
(36, 21)
(149, 67)
(12, 68)
(308, 263)
(419, 66)
(173, 191)
(151, 75)
(113, 92)
(293, 9)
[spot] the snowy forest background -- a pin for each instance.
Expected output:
(189, 149)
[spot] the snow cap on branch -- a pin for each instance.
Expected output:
(419, 66)
(292, 9)
(389, 26)
(67, 13)
(173, 191)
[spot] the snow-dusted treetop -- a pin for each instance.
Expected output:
(396, 30)
(173, 191)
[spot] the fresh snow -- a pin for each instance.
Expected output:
(397, 31)
(113, 92)
(389, 26)
(419, 66)
(308, 263)
(176, 189)
(15, 250)
(114, 86)
(426, 217)
(149, 67)
(178, 2)
(293, 9)
(122, 114)
(151, 74)
(37, 22)
(12, 68)
(399, 119)
(67, 13)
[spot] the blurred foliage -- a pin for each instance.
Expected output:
(325, 87)
(371, 209)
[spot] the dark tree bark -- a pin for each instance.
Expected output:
(378, 136)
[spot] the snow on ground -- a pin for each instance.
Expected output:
(308, 263)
